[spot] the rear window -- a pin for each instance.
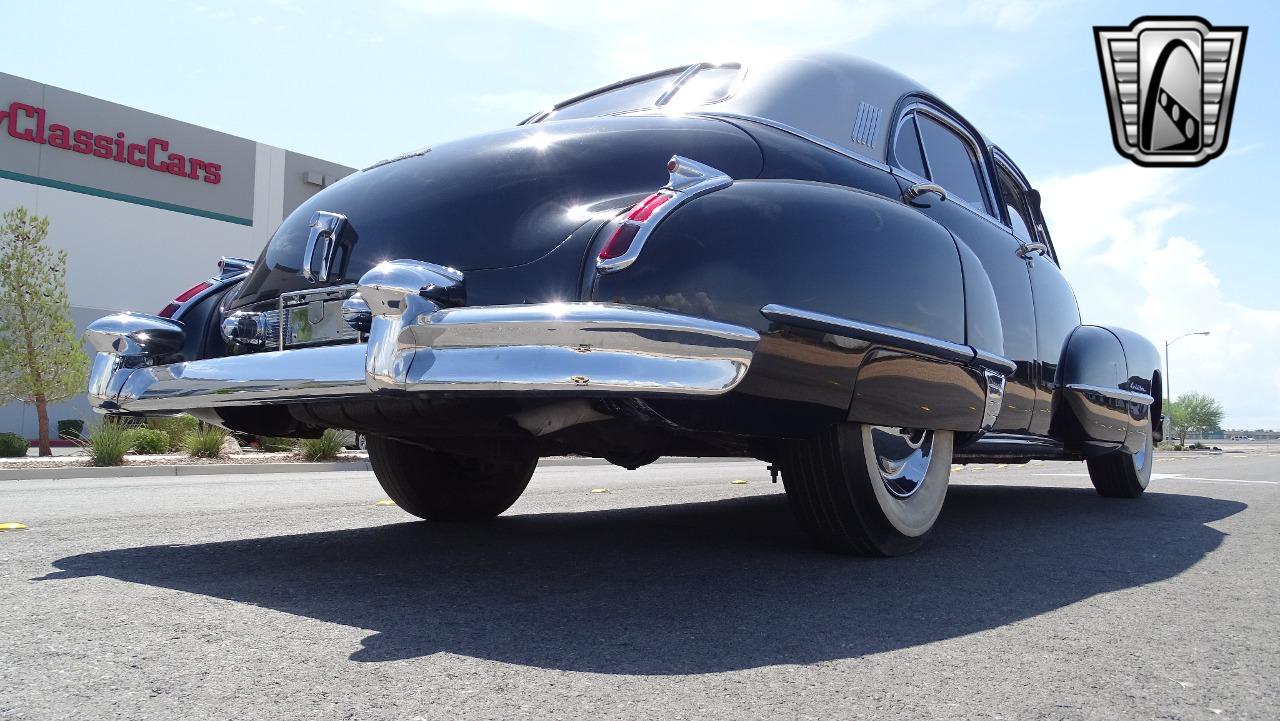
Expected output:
(640, 94)
(707, 84)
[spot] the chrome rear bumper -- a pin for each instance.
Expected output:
(583, 349)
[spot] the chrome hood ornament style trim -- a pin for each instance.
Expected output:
(327, 228)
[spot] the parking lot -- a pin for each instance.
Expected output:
(671, 592)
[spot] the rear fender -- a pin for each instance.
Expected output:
(829, 251)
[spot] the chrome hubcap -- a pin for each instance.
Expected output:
(902, 457)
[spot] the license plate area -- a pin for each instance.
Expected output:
(314, 317)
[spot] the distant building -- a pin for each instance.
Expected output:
(143, 205)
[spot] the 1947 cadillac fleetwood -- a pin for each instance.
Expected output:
(814, 262)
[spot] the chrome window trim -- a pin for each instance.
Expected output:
(542, 114)
(846, 152)
(1002, 160)
(896, 337)
(667, 95)
(921, 105)
(1112, 393)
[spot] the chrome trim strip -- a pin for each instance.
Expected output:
(1112, 393)
(872, 162)
(580, 349)
(994, 400)
(991, 361)
(904, 339)
(676, 84)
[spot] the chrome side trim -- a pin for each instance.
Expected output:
(1112, 393)
(688, 179)
(853, 155)
(991, 361)
(903, 339)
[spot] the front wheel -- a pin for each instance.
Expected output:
(1123, 474)
(868, 490)
(439, 486)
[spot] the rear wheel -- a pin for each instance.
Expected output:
(868, 490)
(1123, 474)
(440, 486)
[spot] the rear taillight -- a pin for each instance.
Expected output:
(620, 242)
(688, 180)
(185, 296)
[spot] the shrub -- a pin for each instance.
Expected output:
(277, 444)
(13, 445)
(324, 448)
(71, 429)
(108, 443)
(204, 442)
(178, 428)
(149, 441)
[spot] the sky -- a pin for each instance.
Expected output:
(1161, 251)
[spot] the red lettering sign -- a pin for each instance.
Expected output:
(27, 122)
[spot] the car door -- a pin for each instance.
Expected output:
(1056, 311)
(933, 147)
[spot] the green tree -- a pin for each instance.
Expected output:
(1195, 412)
(41, 362)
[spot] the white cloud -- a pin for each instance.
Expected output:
(1114, 228)
(632, 39)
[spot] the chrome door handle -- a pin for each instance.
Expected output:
(1027, 249)
(920, 189)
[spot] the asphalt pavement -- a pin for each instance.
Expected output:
(671, 592)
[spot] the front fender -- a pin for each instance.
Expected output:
(1109, 381)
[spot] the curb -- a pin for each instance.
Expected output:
(211, 469)
(226, 469)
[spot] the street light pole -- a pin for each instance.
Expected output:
(1168, 391)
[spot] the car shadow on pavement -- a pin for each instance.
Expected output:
(693, 588)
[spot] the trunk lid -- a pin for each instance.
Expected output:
(499, 200)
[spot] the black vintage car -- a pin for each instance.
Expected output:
(814, 262)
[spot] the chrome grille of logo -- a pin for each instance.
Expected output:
(1170, 85)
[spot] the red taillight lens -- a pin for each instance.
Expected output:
(185, 296)
(620, 241)
(641, 211)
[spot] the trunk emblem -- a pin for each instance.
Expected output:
(326, 227)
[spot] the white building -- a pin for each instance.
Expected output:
(143, 205)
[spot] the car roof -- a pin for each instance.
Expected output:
(839, 99)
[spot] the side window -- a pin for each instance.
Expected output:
(953, 163)
(1015, 202)
(906, 147)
